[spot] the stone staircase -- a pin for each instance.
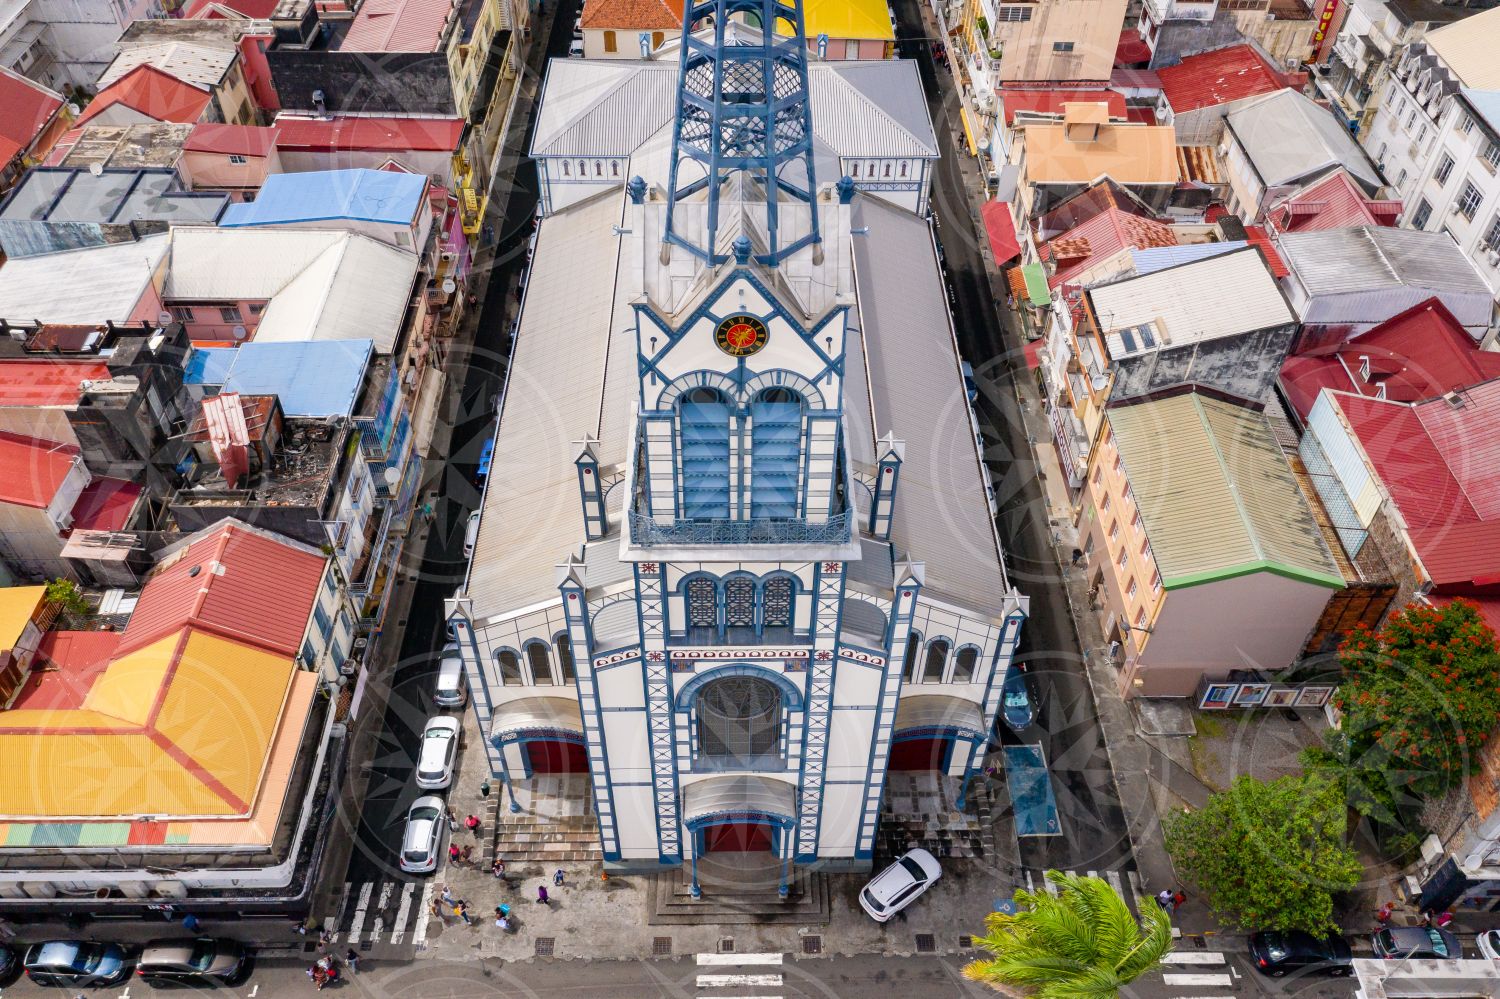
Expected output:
(731, 902)
(556, 825)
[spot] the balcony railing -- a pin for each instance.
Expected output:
(646, 531)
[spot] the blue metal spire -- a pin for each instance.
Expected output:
(741, 107)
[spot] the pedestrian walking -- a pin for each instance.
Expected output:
(1383, 914)
(1178, 897)
(466, 852)
(352, 960)
(484, 789)
(557, 879)
(472, 824)
(461, 910)
(1164, 899)
(437, 910)
(454, 853)
(446, 894)
(498, 868)
(190, 922)
(541, 895)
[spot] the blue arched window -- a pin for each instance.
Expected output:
(937, 659)
(964, 664)
(540, 660)
(776, 453)
(704, 416)
(701, 598)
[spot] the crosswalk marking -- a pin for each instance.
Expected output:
(726, 981)
(1213, 981)
(390, 908)
(424, 912)
(740, 980)
(1194, 957)
(365, 890)
(1115, 882)
(403, 912)
(740, 958)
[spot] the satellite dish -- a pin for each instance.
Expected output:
(449, 286)
(96, 169)
(392, 476)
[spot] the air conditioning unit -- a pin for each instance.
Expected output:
(1492, 257)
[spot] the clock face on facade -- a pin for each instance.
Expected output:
(741, 335)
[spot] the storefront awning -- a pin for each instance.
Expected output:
(939, 712)
(1036, 285)
(963, 116)
(741, 793)
(536, 716)
(1001, 229)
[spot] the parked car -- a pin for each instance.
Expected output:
(450, 689)
(1401, 942)
(1277, 954)
(471, 532)
(77, 963)
(575, 49)
(10, 964)
(201, 961)
(423, 836)
(1017, 706)
(894, 888)
(1489, 944)
(578, 27)
(439, 749)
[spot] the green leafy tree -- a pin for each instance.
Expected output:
(1082, 943)
(1268, 855)
(1420, 698)
(68, 597)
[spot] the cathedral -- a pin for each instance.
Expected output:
(737, 558)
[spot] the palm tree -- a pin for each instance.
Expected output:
(1081, 943)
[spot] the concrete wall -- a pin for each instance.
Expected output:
(214, 172)
(1029, 48)
(433, 164)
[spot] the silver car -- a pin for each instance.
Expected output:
(439, 750)
(450, 690)
(423, 837)
(201, 961)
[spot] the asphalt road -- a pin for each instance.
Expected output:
(1093, 826)
(439, 568)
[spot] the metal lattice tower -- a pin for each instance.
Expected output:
(741, 108)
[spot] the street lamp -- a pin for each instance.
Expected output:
(510, 785)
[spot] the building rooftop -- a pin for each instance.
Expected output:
(1217, 496)
(319, 284)
(121, 147)
(238, 140)
(1334, 202)
(250, 9)
(1467, 48)
(1156, 258)
(1290, 138)
(1126, 153)
(312, 379)
(46, 383)
(383, 196)
(1221, 76)
(1100, 238)
(106, 505)
(18, 605)
(388, 134)
(33, 470)
(191, 62)
(64, 194)
(306, 461)
(397, 26)
(209, 365)
(1017, 100)
(643, 15)
(90, 285)
(834, 18)
(1421, 353)
(26, 108)
(148, 91)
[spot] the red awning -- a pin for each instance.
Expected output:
(1001, 229)
(1033, 352)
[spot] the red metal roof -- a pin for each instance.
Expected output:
(1218, 77)
(1052, 101)
(1257, 236)
(1101, 237)
(1000, 227)
(255, 10)
(32, 470)
(389, 134)
(1489, 607)
(25, 109)
(1131, 48)
(105, 505)
(1419, 354)
(1335, 202)
(236, 582)
(77, 658)
(397, 26)
(238, 140)
(157, 95)
(46, 383)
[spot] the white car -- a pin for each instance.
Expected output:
(450, 689)
(439, 750)
(1489, 944)
(578, 27)
(575, 49)
(423, 838)
(894, 888)
(471, 534)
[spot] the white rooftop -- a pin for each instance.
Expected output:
(85, 286)
(201, 65)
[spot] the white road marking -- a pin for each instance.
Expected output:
(741, 958)
(403, 913)
(424, 913)
(126, 993)
(1115, 882)
(359, 911)
(254, 990)
(1194, 957)
(1212, 981)
(730, 981)
(1030, 884)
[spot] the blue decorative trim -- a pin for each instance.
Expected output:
(688, 692)
(959, 732)
(726, 818)
(539, 735)
(586, 689)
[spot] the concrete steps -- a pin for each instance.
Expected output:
(530, 839)
(670, 902)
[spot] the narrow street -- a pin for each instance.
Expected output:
(1093, 827)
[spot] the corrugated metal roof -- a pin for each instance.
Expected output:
(1103, 236)
(26, 108)
(397, 26)
(1221, 296)
(82, 286)
(1468, 49)
(46, 383)
(1015, 100)
(157, 95)
(32, 470)
(1208, 79)
(739, 793)
(387, 196)
(18, 606)
(1369, 258)
(1216, 494)
(208, 365)
(392, 134)
(201, 65)
(892, 85)
(1157, 258)
(1289, 137)
(321, 284)
(311, 378)
(565, 342)
(1334, 202)
(942, 513)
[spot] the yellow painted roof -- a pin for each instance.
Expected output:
(17, 606)
(1127, 153)
(846, 19)
(189, 723)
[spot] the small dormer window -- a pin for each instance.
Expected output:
(1364, 367)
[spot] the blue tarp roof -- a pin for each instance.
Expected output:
(313, 378)
(208, 365)
(1158, 258)
(360, 195)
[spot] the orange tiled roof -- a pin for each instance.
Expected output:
(646, 15)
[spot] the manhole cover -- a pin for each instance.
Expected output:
(1199, 942)
(661, 946)
(544, 946)
(726, 945)
(965, 943)
(812, 945)
(926, 943)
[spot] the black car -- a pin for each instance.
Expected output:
(201, 961)
(10, 964)
(1278, 954)
(77, 963)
